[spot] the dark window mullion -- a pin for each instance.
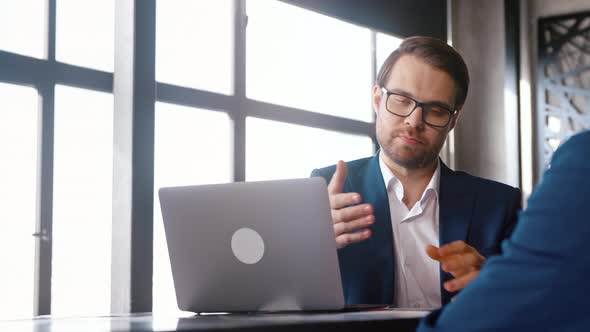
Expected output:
(43, 233)
(374, 70)
(133, 159)
(51, 19)
(44, 223)
(239, 79)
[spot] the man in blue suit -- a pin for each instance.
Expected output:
(540, 281)
(410, 231)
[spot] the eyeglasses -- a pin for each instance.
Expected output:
(432, 114)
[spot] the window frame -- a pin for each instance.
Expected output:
(45, 74)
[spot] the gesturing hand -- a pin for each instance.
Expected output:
(460, 260)
(348, 218)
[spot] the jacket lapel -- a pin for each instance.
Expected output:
(374, 192)
(372, 188)
(456, 203)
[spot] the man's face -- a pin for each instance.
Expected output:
(409, 142)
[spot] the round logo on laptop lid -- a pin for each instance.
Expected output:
(247, 245)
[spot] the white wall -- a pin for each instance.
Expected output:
(480, 141)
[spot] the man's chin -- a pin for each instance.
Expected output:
(412, 161)
(409, 163)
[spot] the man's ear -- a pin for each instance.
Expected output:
(377, 95)
(455, 119)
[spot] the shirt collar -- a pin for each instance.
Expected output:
(393, 183)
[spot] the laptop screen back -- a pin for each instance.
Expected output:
(252, 246)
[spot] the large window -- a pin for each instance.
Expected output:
(18, 174)
(85, 33)
(29, 19)
(193, 146)
(245, 90)
(57, 146)
(306, 60)
(82, 199)
(296, 65)
(385, 44)
(276, 150)
(194, 44)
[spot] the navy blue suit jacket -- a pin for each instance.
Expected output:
(478, 211)
(540, 282)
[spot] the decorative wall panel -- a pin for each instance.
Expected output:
(563, 76)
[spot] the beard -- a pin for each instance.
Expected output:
(407, 156)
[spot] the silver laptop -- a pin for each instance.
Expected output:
(252, 246)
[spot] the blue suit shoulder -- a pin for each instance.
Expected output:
(467, 181)
(576, 149)
(353, 166)
(482, 185)
(546, 249)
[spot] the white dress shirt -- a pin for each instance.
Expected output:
(417, 276)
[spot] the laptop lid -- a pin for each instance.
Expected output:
(252, 246)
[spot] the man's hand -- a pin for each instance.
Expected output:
(348, 220)
(460, 260)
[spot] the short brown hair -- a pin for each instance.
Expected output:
(435, 53)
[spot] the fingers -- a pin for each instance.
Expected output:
(433, 253)
(337, 182)
(354, 225)
(351, 213)
(460, 282)
(338, 201)
(348, 218)
(350, 238)
(461, 272)
(452, 248)
(457, 257)
(466, 261)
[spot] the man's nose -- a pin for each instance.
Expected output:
(415, 119)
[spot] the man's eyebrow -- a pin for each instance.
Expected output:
(430, 102)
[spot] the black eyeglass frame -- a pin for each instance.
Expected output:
(426, 108)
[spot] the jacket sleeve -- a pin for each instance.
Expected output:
(539, 282)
